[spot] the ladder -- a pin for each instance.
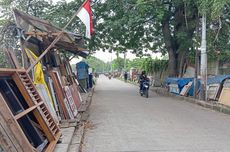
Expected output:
(41, 112)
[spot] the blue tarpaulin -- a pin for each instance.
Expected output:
(82, 70)
(181, 82)
(218, 79)
(191, 90)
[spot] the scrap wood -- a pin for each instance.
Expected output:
(59, 93)
(75, 95)
(213, 91)
(185, 89)
(225, 96)
(13, 127)
(70, 99)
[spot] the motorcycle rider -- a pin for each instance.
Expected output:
(142, 78)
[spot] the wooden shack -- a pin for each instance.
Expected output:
(40, 90)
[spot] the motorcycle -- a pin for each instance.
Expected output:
(145, 88)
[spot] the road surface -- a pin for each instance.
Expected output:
(122, 121)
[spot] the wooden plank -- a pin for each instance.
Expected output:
(13, 126)
(36, 112)
(44, 95)
(9, 72)
(18, 116)
(72, 104)
(59, 92)
(225, 96)
(212, 91)
(6, 143)
(52, 144)
(42, 33)
(75, 94)
(54, 98)
(186, 89)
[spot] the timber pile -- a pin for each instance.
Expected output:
(39, 90)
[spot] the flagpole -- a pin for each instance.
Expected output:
(74, 15)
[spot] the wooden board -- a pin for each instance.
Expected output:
(60, 94)
(70, 99)
(75, 95)
(213, 91)
(7, 144)
(225, 96)
(13, 129)
(186, 89)
(54, 98)
(69, 111)
(44, 95)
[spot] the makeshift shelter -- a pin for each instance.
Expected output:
(176, 84)
(39, 34)
(41, 91)
(83, 74)
(225, 93)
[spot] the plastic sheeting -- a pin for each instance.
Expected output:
(217, 79)
(180, 81)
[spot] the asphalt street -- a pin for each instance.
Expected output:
(123, 121)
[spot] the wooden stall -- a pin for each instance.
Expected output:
(39, 92)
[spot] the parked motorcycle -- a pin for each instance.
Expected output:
(145, 88)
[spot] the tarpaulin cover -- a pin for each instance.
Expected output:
(183, 81)
(191, 90)
(180, 81)
(217, 79)
(82, 70)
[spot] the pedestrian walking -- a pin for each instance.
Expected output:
(125, 76)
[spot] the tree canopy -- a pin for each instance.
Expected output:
(166, 26)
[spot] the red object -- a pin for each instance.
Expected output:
(85, 14)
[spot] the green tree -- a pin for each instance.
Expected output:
(171, 27)
(118, 64)
(97, 64)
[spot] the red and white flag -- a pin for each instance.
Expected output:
(85, 14)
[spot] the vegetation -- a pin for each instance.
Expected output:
(168, 26)
(97, 64)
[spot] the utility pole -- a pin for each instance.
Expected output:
(125, 60)
(197, 56)
(203, 66)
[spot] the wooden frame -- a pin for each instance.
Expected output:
(35, 106)
(12, 128)
(59, 93)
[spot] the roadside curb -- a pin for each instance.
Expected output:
(210, 105)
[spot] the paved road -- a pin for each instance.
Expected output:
(122, 121)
